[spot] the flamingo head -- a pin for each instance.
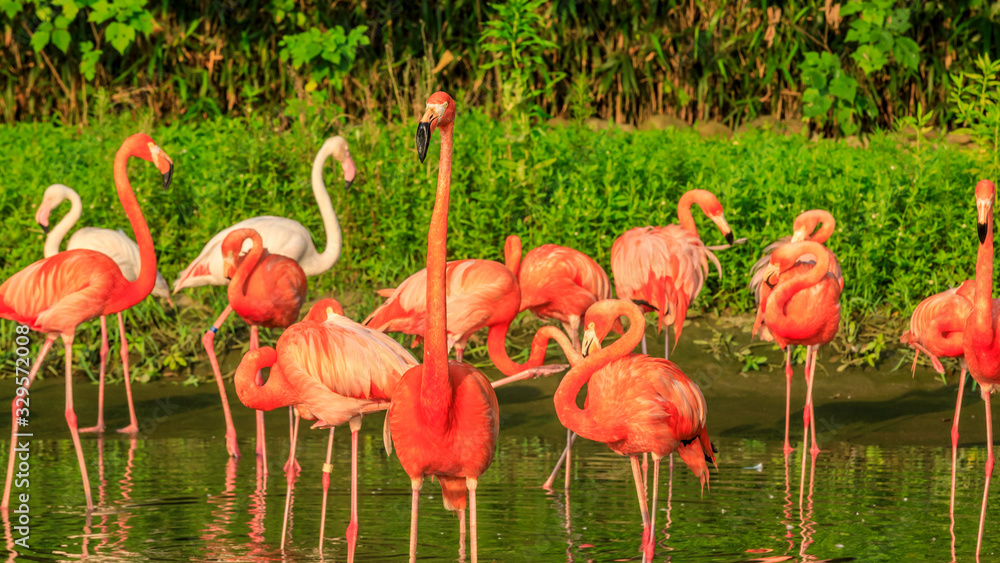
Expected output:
(54, 195)
(322, 310)
(439, 112)
(148, 150)
(806, 223)
(232, 248)
(603, 317)
(338, 149)
(711, 206)
(985, 194)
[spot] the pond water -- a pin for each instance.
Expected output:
(878, 492)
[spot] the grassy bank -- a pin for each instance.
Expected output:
(906, 223)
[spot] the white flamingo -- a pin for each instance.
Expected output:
(117, 246)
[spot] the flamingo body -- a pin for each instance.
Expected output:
(273, 292)
(938, 322)
(120, 248)
(812, 315)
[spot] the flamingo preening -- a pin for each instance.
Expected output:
(266, 290)
(663, 269)
(444, 416)
(124, 251)
(55, 295)
(635, 404)
(329, 368)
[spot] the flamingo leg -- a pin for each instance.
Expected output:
(352, 527)
(570, 438)
(327, 468)
(415, 483)
(71, 420)
(208, 341)
(643, 342)
(261, 439)
(788, 397)
(666, 342)
(461, 534)
(289, 485)
(292, 465)
(572, 329)
(652, 508)
(133, 426)
(99, 427)
(640, 489)
(806, 419)
(989, 472)
(13, 421)
(814, 450)
(645, 468)
(471, 483)
(954, 442)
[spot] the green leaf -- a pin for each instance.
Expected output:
(69, 9)
(844, 87)
(11, 7)
(907, 52)
(869, 59)
(41, 37)
(119, 35)
(60, 38)
(100, 12)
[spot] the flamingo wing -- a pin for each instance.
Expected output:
(120, 248)
(559, 282)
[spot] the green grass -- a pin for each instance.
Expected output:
(906, 225)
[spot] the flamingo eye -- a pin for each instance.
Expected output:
(771, 281)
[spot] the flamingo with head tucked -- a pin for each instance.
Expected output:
(124, 251)
(55, 295)
(663, 269)
(635, 404)
(329, 368)
(266, 290)
(444, 416)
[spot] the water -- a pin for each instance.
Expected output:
(878, 492)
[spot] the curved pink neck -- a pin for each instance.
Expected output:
(496, 343)
(824, 219)
(981, 318)
(436, 386)
(572, 416)
(786, 289)
(684, 216)
(273, 394)
(246, 265)
(512, 254)
(137, 290)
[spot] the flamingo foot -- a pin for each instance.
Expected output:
(292, 466)
(231, 446)
(130, 429)
(788, 448)
(648, 545)
(352, 540)
(814, 450)
(99, 428)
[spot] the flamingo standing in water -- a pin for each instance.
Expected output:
(803, 308)
(266, 290)
(663, 269)
(937, 329)
(328, 367)
(981, 338)
(635, 404)
(444, 416)
(803, 229)
(124, 251)
(57, 294)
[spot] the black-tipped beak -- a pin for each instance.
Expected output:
(348, 183)
(729, 237)
(423, 139)
(168, 176)
(45, 228)
(982, 228)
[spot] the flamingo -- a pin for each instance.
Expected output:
(286, 237)
(803, 308)
(444, 416)
(55, 295)
(635, 404)
(663, 269)
(327, 367)
(267, 290)
(124, 251)
(937, 329)
(804, 228)
(981, 338)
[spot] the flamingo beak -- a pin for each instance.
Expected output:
(984, 210)
(424, 130)
(771, 273)
(168, 176)
(350, 171)
(228, 265)
(589, 344)
(720, 222)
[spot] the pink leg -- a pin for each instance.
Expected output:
(13, 419)
(954, 441)
(208, 340)
(666, 343)
(99, 427)
(292, 465)
(570, 438)
(133, 426)
(644, 342)
(352, 527)
(261, 440)
(989, 472)
(806, 419)
(71, 420)
(415, 485)
(472, 483)
(327, 468)
(814, 450)
(640, 489)
(289, 486)
(652, 511)
(461, 535)
(645, 469)
(788, 397)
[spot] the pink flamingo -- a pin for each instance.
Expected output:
(328, 367)
(444, 416)
(937, 329)
(803, 309)
(280, 235)
(803, 229)
(981, 338)
(266, 290)
(57, 294)
(635, 404)
(663, 269)
(124, 251)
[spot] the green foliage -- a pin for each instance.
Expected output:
(880, 32)
(829, 91)
(976, 100)
(328, 54)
